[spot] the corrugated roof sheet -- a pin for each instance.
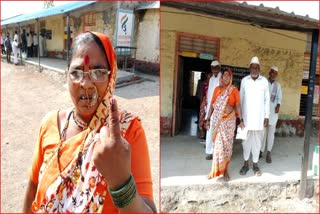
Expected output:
(47, 12)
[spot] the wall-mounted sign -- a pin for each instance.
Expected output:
(316, 94)
(305, 75)
(125, 21)
(304, 89)
(189, 54)
(206, 56)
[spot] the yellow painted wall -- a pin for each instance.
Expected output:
(56, 25)
(238, 43)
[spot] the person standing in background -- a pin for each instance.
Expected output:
(24, 41)
(213, 83)
(29, 43)
(8, 48)
(275, 102)
(35, 45)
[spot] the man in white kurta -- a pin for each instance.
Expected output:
(275, 102)
(255, 107)
(213, 83)
(16, 37)
(15, 50)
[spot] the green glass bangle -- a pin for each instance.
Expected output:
(126, 201)
(122, 188)
(123, 196)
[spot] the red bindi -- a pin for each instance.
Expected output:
(86, 60)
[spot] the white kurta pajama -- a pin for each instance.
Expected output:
(255, 107)
(15, 51)
(275, 99)
(213, 83)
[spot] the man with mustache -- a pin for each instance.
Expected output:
(255, 107)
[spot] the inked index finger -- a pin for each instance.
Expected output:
(114, 126)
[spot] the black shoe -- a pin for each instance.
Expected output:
(268, 157)
(244, 170)
(209, 157)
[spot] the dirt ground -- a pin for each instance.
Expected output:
(27, 95)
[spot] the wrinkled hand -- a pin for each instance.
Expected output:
(277, 109)
(266, 122)
(207, 124)
(111, 154)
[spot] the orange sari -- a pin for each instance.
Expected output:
(88, 193)
(223, 126)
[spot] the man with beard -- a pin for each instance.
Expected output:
(255, 107)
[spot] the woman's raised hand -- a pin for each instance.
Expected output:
(111, 154)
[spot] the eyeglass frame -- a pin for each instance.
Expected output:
(88, 73)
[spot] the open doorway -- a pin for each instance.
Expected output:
(188, 103)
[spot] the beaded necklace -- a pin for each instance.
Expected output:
(77, 171)
(82, 125)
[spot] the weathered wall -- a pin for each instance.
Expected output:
(105, 18)
(56, 25)
(147, 41)
(148, 37)
(238, 43)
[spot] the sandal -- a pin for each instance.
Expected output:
(257, 171)
(244, 170)
(268, 158)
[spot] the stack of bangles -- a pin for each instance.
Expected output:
(123, 196)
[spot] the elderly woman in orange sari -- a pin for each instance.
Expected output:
(92, 157)
(225, 104)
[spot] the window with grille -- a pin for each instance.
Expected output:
(199, 44)
(89, 19)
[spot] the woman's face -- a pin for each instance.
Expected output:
(87, 93)
(226, 78)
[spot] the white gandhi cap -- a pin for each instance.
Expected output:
(275, 68)
(215, 63)
(255, 60)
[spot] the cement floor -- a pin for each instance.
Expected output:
(183, 160)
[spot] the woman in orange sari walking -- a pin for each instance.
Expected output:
(225, 104)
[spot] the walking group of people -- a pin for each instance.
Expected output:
(256, 105)
(29, 45)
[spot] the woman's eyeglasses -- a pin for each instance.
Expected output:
(96, 75)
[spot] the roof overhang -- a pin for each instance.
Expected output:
(265, 17)
(52, 11)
